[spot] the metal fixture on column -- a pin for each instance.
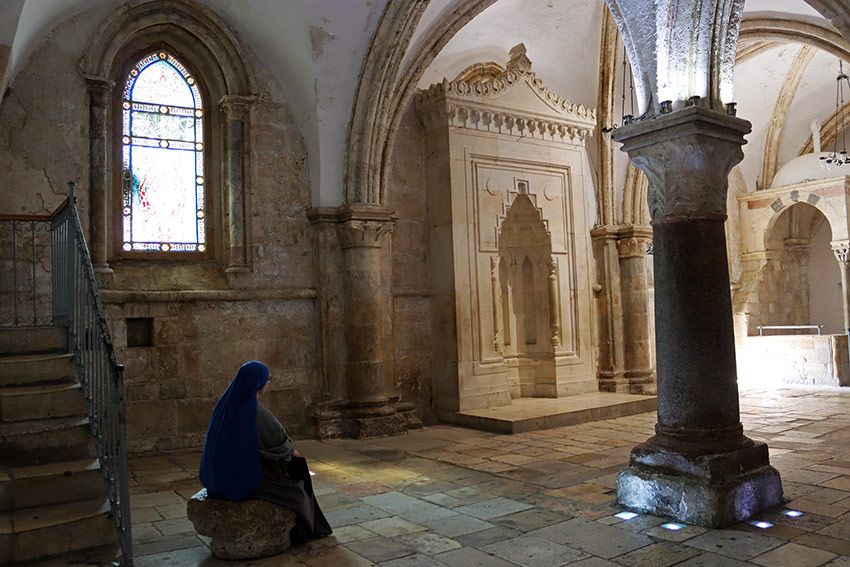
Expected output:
(627, 77)
(836, 156)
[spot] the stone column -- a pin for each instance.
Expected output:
(99, 89)
(699, 467)
(609, 305)
(842, 254)
(638, 375)
(370, 406)
(235, 109)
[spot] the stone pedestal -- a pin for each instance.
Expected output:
(699, 467)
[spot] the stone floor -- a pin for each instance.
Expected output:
(451, 496)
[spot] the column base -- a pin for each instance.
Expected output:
(714, 490)
(364, 421)
(632, 382)
(104, 275)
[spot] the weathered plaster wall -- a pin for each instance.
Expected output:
(200, 338)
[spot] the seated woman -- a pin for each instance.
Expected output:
(248, 456)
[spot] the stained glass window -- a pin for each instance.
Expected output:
(163, 155)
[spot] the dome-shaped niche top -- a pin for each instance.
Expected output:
(808, 167)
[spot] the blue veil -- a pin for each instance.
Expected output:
(230, 463)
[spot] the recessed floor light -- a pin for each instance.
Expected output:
(626, 515)
(673, 526)
(792, 513)
(761, 524)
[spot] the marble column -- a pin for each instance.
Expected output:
(235, 109)
(100, 90)
(842, 254)
(699, 467)
(370, 406)
(638, 375)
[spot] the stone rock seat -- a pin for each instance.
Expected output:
(241, 530)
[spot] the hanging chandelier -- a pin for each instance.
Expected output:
(836, 156)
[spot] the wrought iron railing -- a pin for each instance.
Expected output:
(73, 293)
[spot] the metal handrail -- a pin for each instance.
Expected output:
(761, 328)
(76, 304)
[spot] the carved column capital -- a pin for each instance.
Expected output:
(99, 89)
(634, 241)
(687, 156)
(841, 251)
(363, 226)
(235, 107)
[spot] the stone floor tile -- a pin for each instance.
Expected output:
(162, 498)
(593, 538)
(338, 555)
(164, 544)
(533, 551)
(457, 525)
(379, 549)
(176, 526)
(661, 554)
(468, 557)
(493, 508)
(428, 543)
(354, 514)
(794, 555)
(528, 520)
(713, 560)
(486, 537)
(840, 561)
(417, 560)
(392, 526)
(840, 530)
(734, 543)
(143, 515)
(594, 562)
(346, 534)
(827, 543)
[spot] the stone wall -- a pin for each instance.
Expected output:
(808, 360)
(204, 325)
(411, 293)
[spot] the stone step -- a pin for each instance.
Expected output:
(31, 369)
(19, 403)
(41, 441)
(33, 340)
(56, 531)
(53, 483)
(107, 555)
(532, 414)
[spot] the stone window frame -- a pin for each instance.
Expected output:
(204, 43)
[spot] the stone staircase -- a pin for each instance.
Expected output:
(53, 496)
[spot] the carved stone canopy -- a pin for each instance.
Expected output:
(515, 103)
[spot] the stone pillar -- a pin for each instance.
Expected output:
(235, 109)
(842, 254)
(370, 406)
(699, 467)
(99, 89)
(609, 305)
(638, 375)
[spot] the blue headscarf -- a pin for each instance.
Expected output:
(230, 464)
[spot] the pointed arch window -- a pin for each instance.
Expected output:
(162, 144)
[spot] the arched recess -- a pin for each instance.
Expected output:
(205, 43)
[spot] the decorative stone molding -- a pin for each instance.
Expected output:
(363, 234)
(687, 156)
(536, 111)
(633, 247)
(236, 107)
(841, 251)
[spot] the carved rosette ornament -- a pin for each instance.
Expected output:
(687, 156)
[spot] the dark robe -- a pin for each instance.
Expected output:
(286, 479)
